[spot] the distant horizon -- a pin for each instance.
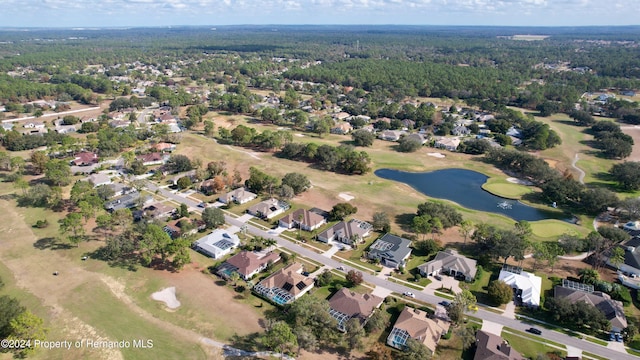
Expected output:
(213, 26)
(165, 13)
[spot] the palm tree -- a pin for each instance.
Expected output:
(617, 257)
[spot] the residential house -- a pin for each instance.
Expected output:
(528, 286)
(150, 159)
(268, 209)
(127, 201)
(239, 195)
(302, 218)
(419, 137)
(449, 261)
(159, 211)
(391, 250)
(98, 179)
(631, 263)
(164, 147)
(7, 126)
(119, 123)
(628, 93)
(460, 130)
(416, 324)
(408, 124)
(346, 232)
(184, 227)
(120, 189)
(391, 135)
(247, 264)
(450, 144)
(34, 124)
(612, 309)
(208, 186)
(217, 244)
(513, 132)
(341, 116)
(85, 158)
(342, 128)
(285, 285)
(493, 347)
(345, 305)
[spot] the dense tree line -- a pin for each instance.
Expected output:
(342, 159)
(15, 141)
(613, 143)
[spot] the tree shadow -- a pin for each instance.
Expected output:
(50, 243)
(405, 220)
(129, 262)
(246, 342)
(8, 197)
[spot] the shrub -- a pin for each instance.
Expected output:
(41, 224)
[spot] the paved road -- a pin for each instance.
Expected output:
(371, 279)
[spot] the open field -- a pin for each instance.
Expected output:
(91, 299)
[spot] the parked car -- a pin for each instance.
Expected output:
(202, 205)
(438, 277)
(409, 294)
(618, 337)
(612, 336)
(472, 307)
(444, 303)
(534, 331)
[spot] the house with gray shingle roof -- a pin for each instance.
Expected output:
(391, 250)
(451, 262)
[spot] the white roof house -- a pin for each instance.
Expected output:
(528, 284)
(217, 244)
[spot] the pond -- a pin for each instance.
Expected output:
(465, 188)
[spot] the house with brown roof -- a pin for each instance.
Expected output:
(247, 263)
(240, 195)
(85, 158)
(345, 305)
(285, 285)
(342, 128)
(612, 309)
(154, 158)
(452, 263)
(159, 211)
(163, 146)
(346, 232)
(493, 347)
(416, 324)
(302, 218)
(268, 209)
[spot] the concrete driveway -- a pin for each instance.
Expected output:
(447, 282)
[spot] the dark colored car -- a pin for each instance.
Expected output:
(618, 337)
(534, 331)
(444, 303)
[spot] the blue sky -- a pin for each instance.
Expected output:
(104, 13)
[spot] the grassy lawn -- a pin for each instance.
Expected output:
(479, 286)
(553, 228)
(589, 355)
(529, 349)
(411, 270)
(357, 254)
(505, 189)
(96, 305)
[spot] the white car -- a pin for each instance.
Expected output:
(409, 294)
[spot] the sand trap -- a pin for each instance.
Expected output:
(519, 181)
(436, 155)
(300, 135)
(346, 197)
(168, 297)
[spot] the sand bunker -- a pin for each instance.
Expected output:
(345, 197)
(436, 155)
(519, 181)
(299, 135)
(168, 297)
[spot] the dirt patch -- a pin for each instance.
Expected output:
(436, 155)
(519, 181)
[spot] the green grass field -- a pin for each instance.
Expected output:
(506, 189)
(529, 349)
(551, 229)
